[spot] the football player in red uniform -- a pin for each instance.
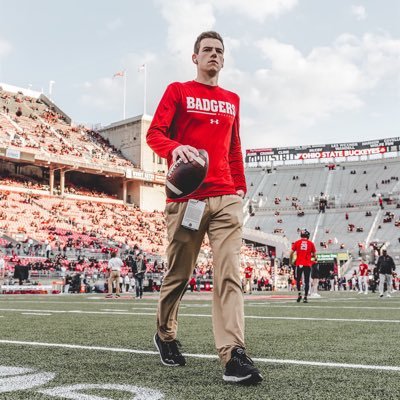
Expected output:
(305, 254)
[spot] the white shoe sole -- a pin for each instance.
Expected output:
(243, 379)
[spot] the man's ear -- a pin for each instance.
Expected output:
(194, 59)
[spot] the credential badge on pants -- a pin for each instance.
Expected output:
(193, 214)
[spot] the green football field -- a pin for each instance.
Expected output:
(342, 346)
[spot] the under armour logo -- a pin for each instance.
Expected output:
(214, 121)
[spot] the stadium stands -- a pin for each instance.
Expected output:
(28, 124)
(286, 198)
(343, 204)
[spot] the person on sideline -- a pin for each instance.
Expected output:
(194, 115)
(305, 253)
(114, 267)
(2, 268)
(363, 277)
(248, 274)
(314, 280)
(386, 267)
(140, 270)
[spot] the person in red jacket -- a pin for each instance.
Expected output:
(305, 258)
(199, 114)
(363, 277)
(248, 274)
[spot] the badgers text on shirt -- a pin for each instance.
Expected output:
(212, 106)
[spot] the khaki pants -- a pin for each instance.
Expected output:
(114, 276)
(382, 279)
(222, 221)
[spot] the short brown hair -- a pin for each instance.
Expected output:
(207, 35)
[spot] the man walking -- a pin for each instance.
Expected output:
(114, 266)
(194, 115)
(305, 256)
(385, 267)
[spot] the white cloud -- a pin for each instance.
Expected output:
(359, 12)
(290, 93)
(5, 47)
(256, 9)
(114, 24)
(101, 94)
(185, 17)
(295, 91)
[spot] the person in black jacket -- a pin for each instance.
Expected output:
(138, 270)
(385, 267)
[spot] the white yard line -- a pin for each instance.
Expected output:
(203, 356)
(270, 307)
(34, 313)
(77, 312)
(118, 302)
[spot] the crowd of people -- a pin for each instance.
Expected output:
(37, 127)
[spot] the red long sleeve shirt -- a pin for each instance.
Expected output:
(205, 117)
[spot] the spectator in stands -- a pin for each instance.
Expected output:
(305, 256)
(171, 135)
(386, 267)
(114, 267)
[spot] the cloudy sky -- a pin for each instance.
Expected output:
(307, 71)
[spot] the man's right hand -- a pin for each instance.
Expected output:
(185, 152)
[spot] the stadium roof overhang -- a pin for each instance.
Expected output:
(281, 244)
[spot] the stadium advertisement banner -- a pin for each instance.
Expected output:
(326, 256)
(341, 256)
(146, 176)
(13, 153)
(325, 151)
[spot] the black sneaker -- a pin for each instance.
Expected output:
(299, 298)
(169, 352)
(305, 300)
(240, 369)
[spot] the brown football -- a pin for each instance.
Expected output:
(183, 179)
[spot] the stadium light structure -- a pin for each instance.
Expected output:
(51, 83)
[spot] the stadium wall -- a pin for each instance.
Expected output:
(129, 136)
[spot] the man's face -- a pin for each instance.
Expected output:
(211, 56)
